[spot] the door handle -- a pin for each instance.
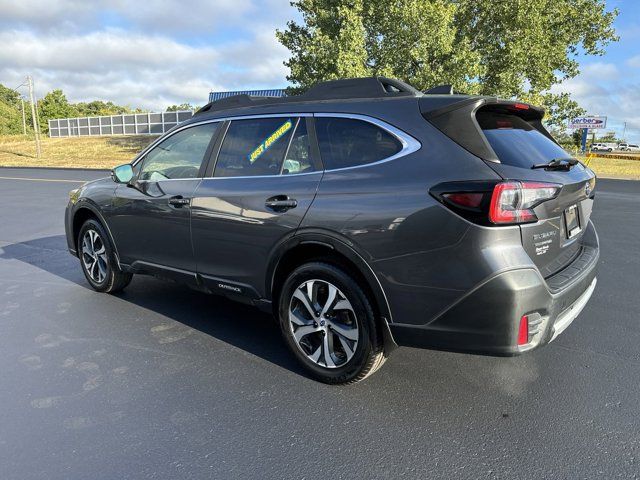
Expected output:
(179, 201)
(281, 203)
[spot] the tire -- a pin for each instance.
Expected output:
(347, 331)
(98, 261)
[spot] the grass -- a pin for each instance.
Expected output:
(614, 168)
(108, 152)
(83, 152)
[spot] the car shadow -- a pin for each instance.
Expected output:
(242, 326)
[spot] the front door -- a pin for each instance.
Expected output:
(151, 218)
(264, 181)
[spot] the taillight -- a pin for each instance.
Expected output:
(513, 202)
(495, 203)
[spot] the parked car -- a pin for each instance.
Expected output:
(629, 147)
(364, 214)
(603, 147)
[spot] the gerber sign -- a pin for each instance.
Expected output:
(588, 122)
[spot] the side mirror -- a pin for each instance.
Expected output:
(122, 174)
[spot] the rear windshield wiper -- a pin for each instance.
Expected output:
(557, 164)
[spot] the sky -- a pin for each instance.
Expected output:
(154, 53)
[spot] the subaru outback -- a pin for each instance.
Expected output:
(364, 214)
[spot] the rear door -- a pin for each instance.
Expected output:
(257, 193)
(520, 143)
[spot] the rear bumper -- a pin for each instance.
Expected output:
(486, 320)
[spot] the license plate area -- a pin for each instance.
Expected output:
(572, 221)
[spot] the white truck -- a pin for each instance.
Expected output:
(603, 147)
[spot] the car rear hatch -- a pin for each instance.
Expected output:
(510, 137)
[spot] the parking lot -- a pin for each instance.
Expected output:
(164, 382)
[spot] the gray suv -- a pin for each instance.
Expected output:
(364, 214)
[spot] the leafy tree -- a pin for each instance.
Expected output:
(100, 108)
(10, 111)
(609, 137)
(516, 48)
(570, 140)
(54, 105)
(9, 96)
(10, 119)
(182, 106)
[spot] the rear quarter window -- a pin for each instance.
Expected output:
(516, 142)
(348, 142)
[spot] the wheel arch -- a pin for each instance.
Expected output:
(83, 212)
(329, 248)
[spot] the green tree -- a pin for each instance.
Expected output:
(182, 106)
(54, 105)
(9, 96)
(100, 108)
(11, 112)
(516, 48)
(10, 119)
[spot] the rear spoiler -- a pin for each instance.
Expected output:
(456, 118)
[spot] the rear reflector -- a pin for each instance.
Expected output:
(513, 202)
(523, 331)
(464, 199)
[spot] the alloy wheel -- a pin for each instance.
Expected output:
(94, 256)
(323, 323)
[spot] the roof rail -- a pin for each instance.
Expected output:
(440, 90)
(368, 87)
(235, 101)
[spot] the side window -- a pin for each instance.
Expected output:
(347, 142)
(298, 157)
(254, 147)
(180, 155)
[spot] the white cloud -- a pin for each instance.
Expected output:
(160, 53)
(606, 89)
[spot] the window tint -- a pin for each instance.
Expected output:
(346, 142)
(180, 155)
(298, 157)
(254, 147)
(516, 142)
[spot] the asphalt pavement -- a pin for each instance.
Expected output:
(164, 382)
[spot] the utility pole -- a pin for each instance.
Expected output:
(624, 132)
(36, 128)
(24, 118)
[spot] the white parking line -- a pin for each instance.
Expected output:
(43, 179)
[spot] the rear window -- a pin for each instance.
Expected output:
(347, 142)
(516, 142)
